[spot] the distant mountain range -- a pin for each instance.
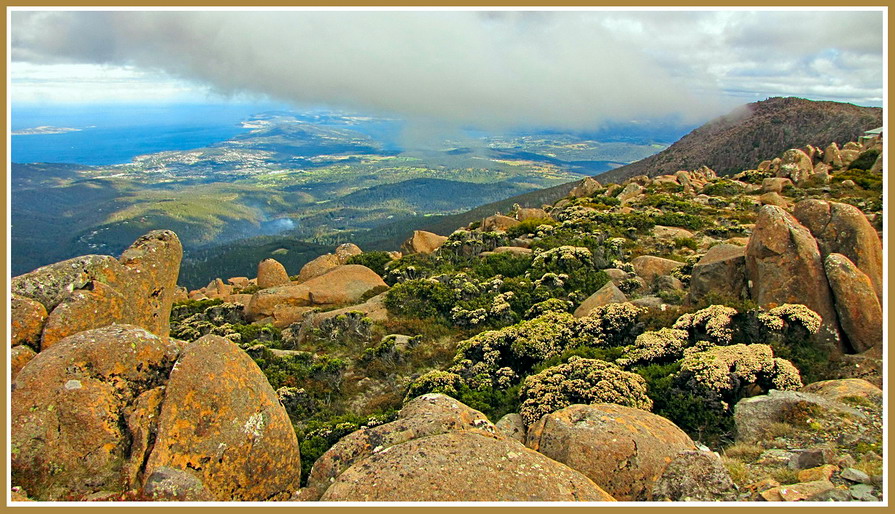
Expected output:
(741, 139)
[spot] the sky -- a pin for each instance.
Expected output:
(484, 69)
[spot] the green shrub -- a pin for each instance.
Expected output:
(529, 226)
(864, 178)
(686, 242)
(675, 219)
(723, 187)
(505, 264)
(865, 160)
(420, 299)
(376, 261)
(583, 381)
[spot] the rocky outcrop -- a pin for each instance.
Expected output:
(609, 293)
(795, 165)
(843, 228)
(119, 410)
(28, 318)
(753, 416)
(318, 266)
(844, 388)
(221, 422)
(721, 271)
(406, 460)
(531, 213)
(71, 409)
(586, 187)
(423, 242)
(649, 267)
(18, 357)
(462, 466)
(622, 449)
(340, 285)
(783, 265)
(694, 475)
(860, 314)
(271, 273)
(94, 291)
(511, 427)
(498, 223)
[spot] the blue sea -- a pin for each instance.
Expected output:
(115, 134)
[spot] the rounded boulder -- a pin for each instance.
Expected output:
(461, 466)
(622, 449)
(222, 422)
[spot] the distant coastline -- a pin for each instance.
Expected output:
(44, 130)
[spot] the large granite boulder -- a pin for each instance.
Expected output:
(622, 449)
(72, 407)
(843, 228)
(94, 291)
(752, 416)
(318, 266)
(271, 273)
(423, 242)
(783, 265)
(587, 187)
(607, 294)
(860, 314)
(28, 318)
(341, 285)
(461, 466)
(221, 421)
(721, 271)
(498, 223)
(649, 267)
(695, 475)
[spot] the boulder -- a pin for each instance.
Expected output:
(605, 295)
(93, 291)
(70, 410)
(171, 484)
(849, 155)
(695, 475)
(649, 267)
(18, 357)
(511, 427)
(795, 165)
(663, 232)
(424, 416)
(803, 491)
(832, 156)
(264, 302)
(773, 199)
(622, 449)
(843, 228)
(27, 321)
(374, 308)
(844, 388)
(343, 285)
(347, 250)
(860, 314)
(630, 192)
(721, 271)
(240, 282)
(527, 213)
(461, 466)
(515, 250)
(222, 423)
(271, 273)
(783, 265)
(423, 242)
(586, 187)
(752, 416)
(498, 223)
(318, 266)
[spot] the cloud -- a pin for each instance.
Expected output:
(569, 70)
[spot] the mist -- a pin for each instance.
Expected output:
(491, 71)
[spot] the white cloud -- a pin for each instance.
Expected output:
(559, 69)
